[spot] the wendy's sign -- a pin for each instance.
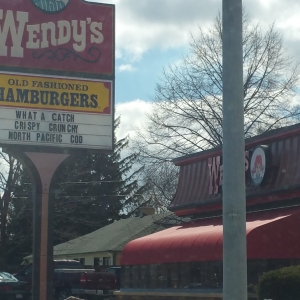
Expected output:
(258, 165)
(56, 112)
(215, 168)
(257, 161)
(60, 35)
(51, 6)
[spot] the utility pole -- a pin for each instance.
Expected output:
(234, 198)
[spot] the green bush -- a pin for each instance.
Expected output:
(281, 284)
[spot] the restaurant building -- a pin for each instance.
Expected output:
(185, 261)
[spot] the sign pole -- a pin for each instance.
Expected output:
(42, 168)
(46, 164)
(234, 198)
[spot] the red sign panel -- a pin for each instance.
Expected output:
(64, 35)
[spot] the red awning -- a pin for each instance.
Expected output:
(270, 235)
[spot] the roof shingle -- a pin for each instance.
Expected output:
(112, 237)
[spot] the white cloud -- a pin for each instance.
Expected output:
(126, 68)
(283, 13)
(147, 24)
(132, 116)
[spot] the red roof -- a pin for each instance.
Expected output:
(269, 235)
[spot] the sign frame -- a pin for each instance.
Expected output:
(32, 83)
(13, 68)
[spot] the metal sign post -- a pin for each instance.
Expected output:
(234, 199)
(45, 166)
(41, 168)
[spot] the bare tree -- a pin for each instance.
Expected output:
(160, 178)
(187, 109)
(10, 170)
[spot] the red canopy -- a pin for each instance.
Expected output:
(271, 234)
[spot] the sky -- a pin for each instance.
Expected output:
(151, 34)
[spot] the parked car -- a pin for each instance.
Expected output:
(71, 279)
(12, 288)
(117, 272)
(96, 285)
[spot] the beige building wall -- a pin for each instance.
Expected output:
(88, 259)
(104, 258)
(118, 258)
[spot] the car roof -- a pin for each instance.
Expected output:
(6, 275)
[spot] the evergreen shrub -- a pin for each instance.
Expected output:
(281, 284)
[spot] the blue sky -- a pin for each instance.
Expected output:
(139, 83)
(150, 34)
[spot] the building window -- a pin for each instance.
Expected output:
(106, 261)
(194, 275)
(96, 262)
(184, 275)
(173, 273)
(82, 261)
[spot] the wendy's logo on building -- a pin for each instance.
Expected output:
(51, 6)
(215, 168)
(258, 165)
